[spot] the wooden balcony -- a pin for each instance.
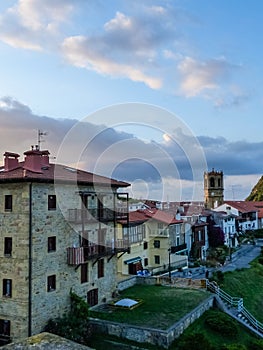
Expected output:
(80, 255)
(78, 216)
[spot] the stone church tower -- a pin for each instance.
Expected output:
(213, 189)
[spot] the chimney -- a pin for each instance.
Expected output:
(45, 158)
(11, 161)
(36, 160)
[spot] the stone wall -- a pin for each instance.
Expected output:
(45, 223)
(162, 338)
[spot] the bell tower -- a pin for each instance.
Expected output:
(213, 188)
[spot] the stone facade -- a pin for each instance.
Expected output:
(31, 264)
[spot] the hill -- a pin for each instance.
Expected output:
(257, 191)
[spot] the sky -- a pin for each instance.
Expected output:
(154, 93)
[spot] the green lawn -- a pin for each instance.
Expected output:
(247, 284)
(161, 306)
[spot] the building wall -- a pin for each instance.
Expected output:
(15, 224)
(45, 223)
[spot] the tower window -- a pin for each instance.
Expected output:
(51, 244)
(84, 273)
(51, 283)
(212, 182)
(219, 182)
(5, 327)
(101, 268)
(8, 246)
(52, 203)
(8, 202)
(7, 288)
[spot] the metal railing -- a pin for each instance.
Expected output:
(237, 303)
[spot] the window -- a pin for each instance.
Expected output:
(5, 327)
(51, 244)
(52, 202)
(7, 288)
(101, 268)
(145, 245)
(84, 273)
(212, 182)
(156, 244)
(157, 259)
(8, 246)
(92, 297)
(146, 262)
(51, 283)
(8, 202)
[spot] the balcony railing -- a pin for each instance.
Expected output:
(179, 248)
(79, 255)
(94, 214)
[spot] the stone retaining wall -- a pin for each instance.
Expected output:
(162, 338)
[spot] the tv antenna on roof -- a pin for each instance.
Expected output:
(40, 137)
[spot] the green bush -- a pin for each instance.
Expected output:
(260, 260)
(196, 341)
(222, 323)
(256, 345)
(74, 325)
(234, 347)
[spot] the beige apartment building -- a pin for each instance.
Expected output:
(157, 242)
(58, 233)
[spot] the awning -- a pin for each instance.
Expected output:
(133, 260)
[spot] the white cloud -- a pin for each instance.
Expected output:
(85, 53)
(33, 24)
(200, 76)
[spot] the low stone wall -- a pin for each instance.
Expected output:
(162, 338)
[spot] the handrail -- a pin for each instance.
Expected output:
(237, 303)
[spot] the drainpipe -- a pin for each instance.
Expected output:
(30, 264)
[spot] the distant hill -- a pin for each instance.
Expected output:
(257, 191)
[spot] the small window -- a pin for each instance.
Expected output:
(51, 244)
(52, 202)
(7, 288)
(101, 268)
(145, 245)
(84, 273)
(8, 202)
(5, 327)
(8, 246)
(51, 283)
(146, 262)
(156, 244)
(157, 259)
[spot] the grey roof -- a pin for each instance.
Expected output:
(45, 341)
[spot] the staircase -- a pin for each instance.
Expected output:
(234, 307)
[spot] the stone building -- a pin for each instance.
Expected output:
(58, 232)
(213, 188)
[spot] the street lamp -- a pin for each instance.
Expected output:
(169, 263)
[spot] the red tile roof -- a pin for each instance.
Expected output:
(141, 216)
(242, 206)
(57, 172)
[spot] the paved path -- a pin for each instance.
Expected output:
(240, 259)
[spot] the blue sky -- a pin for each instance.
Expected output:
(69, 61)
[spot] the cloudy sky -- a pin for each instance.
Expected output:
(151, 92)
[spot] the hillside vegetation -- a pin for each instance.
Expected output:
(257, 192)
